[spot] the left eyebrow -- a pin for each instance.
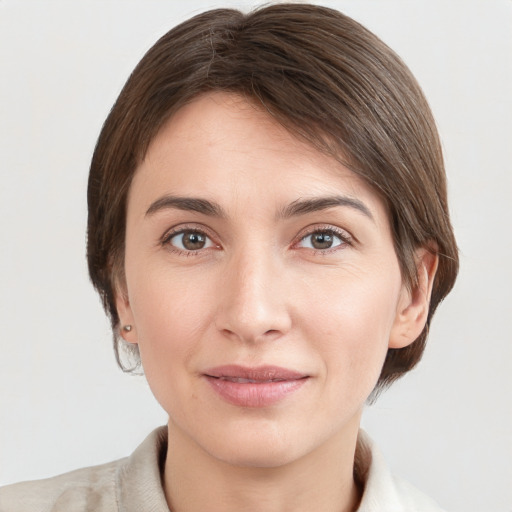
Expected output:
(304, 206)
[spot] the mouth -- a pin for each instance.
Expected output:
(254, 387)
(242, 380)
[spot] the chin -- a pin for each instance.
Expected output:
(257, 455)
(259, 444)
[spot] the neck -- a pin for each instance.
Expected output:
(322, 480)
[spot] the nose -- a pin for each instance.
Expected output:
(253, 301)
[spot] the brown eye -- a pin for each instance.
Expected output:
(190, 241)
(322, 240)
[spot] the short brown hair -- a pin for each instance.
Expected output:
(325, 78)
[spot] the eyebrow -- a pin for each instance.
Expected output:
(304, 206)
(190, 204)
(294, 209)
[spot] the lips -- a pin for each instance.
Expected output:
(254, 387)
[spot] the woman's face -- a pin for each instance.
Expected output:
(261, 283)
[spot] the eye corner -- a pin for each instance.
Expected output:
(329, 239)
(200, 240)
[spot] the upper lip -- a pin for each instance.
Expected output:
(254, 374)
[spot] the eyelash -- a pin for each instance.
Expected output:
(166, 239)
(343, 236)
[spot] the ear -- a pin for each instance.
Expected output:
(125, 314)
(414, 304)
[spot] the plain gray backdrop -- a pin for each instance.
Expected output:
(446, 427)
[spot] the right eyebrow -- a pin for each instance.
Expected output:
(191, 204)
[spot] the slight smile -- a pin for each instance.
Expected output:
(254, 387)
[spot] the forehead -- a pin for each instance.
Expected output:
(223, 146)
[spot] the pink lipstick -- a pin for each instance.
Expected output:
(254, 387)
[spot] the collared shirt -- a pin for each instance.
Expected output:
(134, 484)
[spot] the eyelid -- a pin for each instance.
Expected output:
(343, 234)
(183, 228)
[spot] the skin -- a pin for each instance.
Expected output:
(260, 292)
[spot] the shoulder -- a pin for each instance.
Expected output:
(91, 488)
(413, 499)
(131, 484)
(384, 492)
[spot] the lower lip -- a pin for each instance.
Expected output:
(259, 394)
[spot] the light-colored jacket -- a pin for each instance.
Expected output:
(133, 484)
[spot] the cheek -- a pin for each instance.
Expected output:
(169, 317)
(351, 321)
(163, 299)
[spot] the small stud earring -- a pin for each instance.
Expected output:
(127, 328)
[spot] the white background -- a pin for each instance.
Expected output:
(447, 427)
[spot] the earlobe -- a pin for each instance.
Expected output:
(414, 304)
(127, 325)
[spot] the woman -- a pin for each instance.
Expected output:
(269, 232)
